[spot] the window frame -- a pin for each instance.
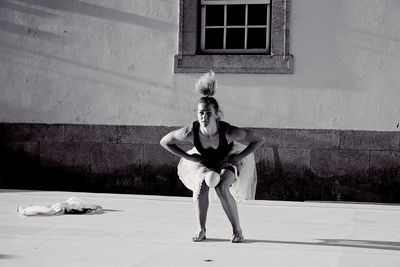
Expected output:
(246, 27)
(190, 58)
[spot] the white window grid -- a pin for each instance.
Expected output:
(225, 3)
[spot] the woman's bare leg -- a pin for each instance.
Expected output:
(227, 200)
(201, 206)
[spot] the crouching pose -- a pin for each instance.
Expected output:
(221, 152)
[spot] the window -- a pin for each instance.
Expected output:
(239, 36)
(228, 27)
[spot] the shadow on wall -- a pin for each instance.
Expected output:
(27, 10)
(101, 12)
(30, 30)
(79, 64)
(379, 186)
(25, 30)
(22, 170)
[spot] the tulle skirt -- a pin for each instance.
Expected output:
(192, 175)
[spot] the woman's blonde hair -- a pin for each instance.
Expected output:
(206, 85)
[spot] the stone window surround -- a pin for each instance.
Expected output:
(190, 60)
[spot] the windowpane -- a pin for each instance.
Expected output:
(214, 38)
(215, 15)
(256, 38)
(235, 38)
(233, 27)
(257, 15)
(235, 15)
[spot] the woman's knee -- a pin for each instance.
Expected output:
(227, 178)
(222, 188)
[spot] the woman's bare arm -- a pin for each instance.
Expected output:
(242, 135)
(170, 141)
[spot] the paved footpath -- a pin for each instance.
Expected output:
(137, 230)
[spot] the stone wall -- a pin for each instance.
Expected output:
(293, 164)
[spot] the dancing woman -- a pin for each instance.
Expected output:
(219, 147)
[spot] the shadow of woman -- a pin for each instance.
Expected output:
(367, 244)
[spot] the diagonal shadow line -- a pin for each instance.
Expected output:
(26, 10)
(349, 243)
(8, 257)
(363, 242)
(104, 13)
(149, 97)
(28, 31)
(110, 84)
(102, 211)
(354, 32)
(79, 64)
(367, 244)
(12, 109)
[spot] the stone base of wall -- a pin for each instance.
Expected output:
(293, 164)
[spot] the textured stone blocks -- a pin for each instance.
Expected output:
(369, 140)
(91, 133)
(273, 137)
(340, 162)
(17, 156)
(115, 158)
(157, 155)
(384, 160)
(69, 156)
(142, 134)
(24, 132)
(189, 45)
(284, 160)
(310, 138)
(29, 148)
(293, 164)
(189, 12)
(18, 159)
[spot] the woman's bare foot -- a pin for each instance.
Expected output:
(199, 237)
(237, 238)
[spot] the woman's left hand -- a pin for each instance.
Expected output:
(234, 158)
(231, 158)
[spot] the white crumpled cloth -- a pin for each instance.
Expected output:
(73, 205)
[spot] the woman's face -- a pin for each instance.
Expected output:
(206, 114)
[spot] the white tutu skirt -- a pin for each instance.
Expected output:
(192, 175)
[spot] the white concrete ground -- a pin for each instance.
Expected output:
(136, 230)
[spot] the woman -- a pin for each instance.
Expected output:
(217, 147)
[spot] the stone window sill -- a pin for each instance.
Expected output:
(234, 63)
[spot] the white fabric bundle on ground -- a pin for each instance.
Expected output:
(73, 205)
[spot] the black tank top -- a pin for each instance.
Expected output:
(210, 154)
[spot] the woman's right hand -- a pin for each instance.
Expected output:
(195, 158)
(198, 159)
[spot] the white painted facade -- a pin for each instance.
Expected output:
(111, 62)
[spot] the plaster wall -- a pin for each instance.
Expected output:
(111, 62)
